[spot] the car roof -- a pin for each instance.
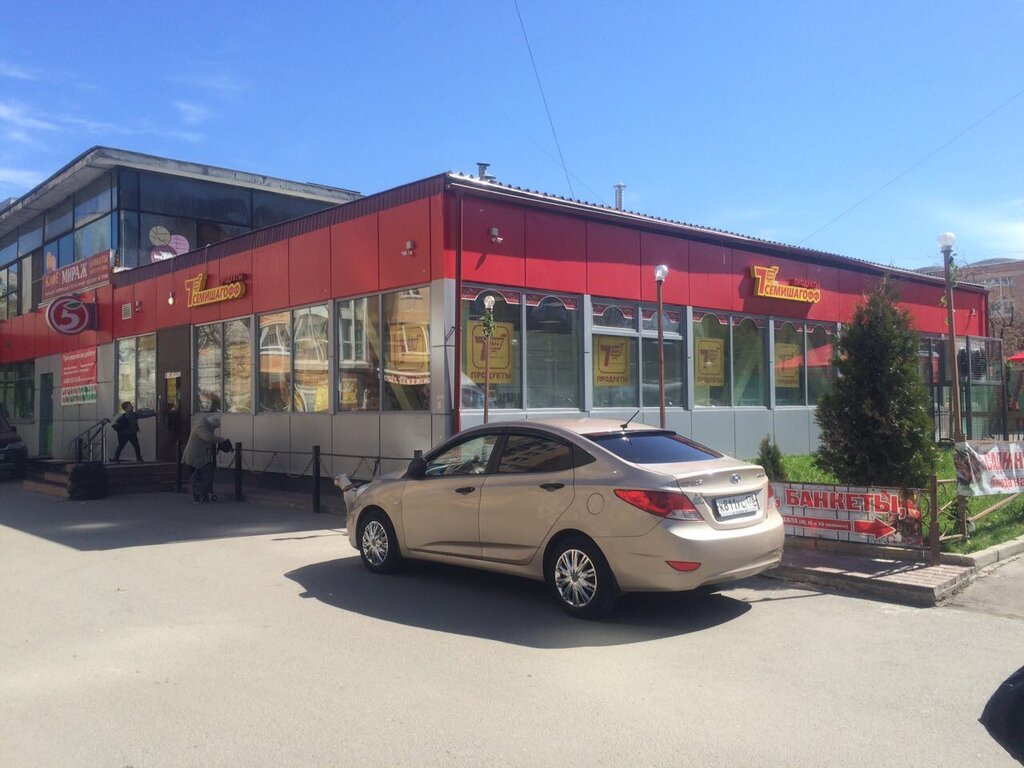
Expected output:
(580, 426)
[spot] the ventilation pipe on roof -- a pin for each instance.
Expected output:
(618, 195)
(481, 171)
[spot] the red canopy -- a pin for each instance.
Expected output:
(1017, 358)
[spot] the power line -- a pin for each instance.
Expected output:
(544, 98)
(920, 162)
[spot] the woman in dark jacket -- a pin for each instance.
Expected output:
(127, 427)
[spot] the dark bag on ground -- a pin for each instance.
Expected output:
(87, 481)
(1004, 715)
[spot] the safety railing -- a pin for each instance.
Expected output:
(89, 441)
(251, 461)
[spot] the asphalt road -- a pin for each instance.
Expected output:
(144, 631)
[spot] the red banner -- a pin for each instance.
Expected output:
(81, 276)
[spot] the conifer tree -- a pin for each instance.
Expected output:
(875, 424)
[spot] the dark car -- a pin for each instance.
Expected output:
(13, 451)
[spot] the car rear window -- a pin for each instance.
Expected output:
(4, 425)
(653, 447)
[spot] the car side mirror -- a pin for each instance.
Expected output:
(417, 468)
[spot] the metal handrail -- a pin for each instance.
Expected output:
(86, 439)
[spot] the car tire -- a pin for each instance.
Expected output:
(378, 545)
(580, 578)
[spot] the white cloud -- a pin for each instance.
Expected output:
(15, 177)
(15, 73)
(19, 118)
(218, 83)
(192, 114)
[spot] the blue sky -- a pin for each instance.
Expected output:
(770, 119)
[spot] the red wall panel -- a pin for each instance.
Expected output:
(484, 261)
(122, 295)
(613, 261)
(555, 252)
(397, 226)
(442, 261)
(674, 253)
(355, 266)
(270, 277)
(170, 315)
(828, 278)
(146, 317)
(309, 267)
(711, 279)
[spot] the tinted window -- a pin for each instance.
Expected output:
(469, 457)
(653, 447)
(532, 453)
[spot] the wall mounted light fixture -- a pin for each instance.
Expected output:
(170, 298)
(495, 236)
(410, 248)
(138, 306)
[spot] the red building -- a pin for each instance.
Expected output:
(357, 328)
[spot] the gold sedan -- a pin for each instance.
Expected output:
(593, 507)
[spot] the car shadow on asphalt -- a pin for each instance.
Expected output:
(504, 608)
(146, 519)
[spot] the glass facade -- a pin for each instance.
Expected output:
(553, 351)
(712, 377)
(406, 334)
(294, 372)
(359, 354)
(503, 363)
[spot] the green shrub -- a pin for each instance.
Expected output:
(770, 457)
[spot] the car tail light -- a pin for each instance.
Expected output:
(667, 504)
(771, 496)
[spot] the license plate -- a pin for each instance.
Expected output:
(735, 506)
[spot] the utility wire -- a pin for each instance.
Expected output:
(544, 98)
(920, 162)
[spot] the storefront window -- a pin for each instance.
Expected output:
(125, 371)
(209, 367)
(145, 384)
(275, 379)
(789, 364)
(17, 390)
(136, 371)
(615, 371)
(238, 366)
(504, 361)
(93, 201)
(552, 351)
(710, 360)
(819, 362)
(675, 372)
(748, 361)
(359, 354)
(607, 315)
(407, 350)
(312, 357)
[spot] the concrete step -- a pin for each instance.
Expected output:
(50, 489)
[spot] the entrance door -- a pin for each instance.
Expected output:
(46, 414)
(173, 410)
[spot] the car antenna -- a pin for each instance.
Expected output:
(623, 426)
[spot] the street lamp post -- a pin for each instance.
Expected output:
(488, 323)
(946, 242)
(660, 273)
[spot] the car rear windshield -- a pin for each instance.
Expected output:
(653, 447)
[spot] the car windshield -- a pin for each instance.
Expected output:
(653, 447)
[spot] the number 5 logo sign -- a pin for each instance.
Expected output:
(68, 315)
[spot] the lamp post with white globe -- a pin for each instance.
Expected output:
(947, 240)
(488, 323)
(660, 273)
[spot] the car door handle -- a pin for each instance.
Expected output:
(465, 489)
(552, 486)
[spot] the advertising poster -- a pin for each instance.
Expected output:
(611, 361)
(710, 362)
(78, 377)
(984, 469)
(502, 361)
(842, 513)
(787, 365)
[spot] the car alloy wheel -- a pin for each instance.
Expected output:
(575, 578)
(580, 578)
(378, 546)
